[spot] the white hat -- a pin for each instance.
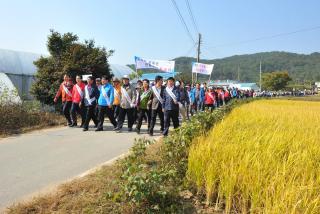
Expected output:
(177, 83)
(125, 77)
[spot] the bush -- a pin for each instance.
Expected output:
(17, 116)
(155, 187)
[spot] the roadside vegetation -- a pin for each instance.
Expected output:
(18, 116)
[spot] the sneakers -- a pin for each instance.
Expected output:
(73, 125)
(118, 130)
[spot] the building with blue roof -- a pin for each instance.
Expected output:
(152, 76)
(234, 84)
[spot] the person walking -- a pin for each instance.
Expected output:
(105, 104)
(189, 105)
(171, 99)
(210, 99)
(98, 84)
(156, 100)
(143, 105)
(203, 91)
(137, 93)
(197, 98)
(65, 91)
(117, 97)
(91, 94)
(184, 100)
(127, 104)
(77, 97)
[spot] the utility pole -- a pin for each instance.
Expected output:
(238, 73)
(198, 53)
(260, 76)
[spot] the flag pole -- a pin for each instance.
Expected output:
(191, 77)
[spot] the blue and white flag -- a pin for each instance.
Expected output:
(201, 68)
(162, 65)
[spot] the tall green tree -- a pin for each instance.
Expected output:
(275, 81)
(67, 55)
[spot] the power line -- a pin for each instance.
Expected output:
(192, 16)
(182, 20)
(190, 50)
(267, 37)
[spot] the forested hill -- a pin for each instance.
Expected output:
(300, 66)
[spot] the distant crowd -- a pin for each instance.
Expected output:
(146, 101)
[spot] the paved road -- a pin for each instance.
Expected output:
(34, 161)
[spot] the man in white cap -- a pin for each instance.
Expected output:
(127, 104)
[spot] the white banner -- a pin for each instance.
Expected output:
(201, 68)
(162, 65)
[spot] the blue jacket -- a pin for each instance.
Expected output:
(109, 90)
(202, 94)
(193, 95)
(168, 103)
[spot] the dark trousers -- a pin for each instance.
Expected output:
(209, 106)
(122, 115)
(97, 112)
(90, 112)
(154, 113)
(110, 114)
(202, 106)
(116, 112)
(135, 115)
(174, 116)
(66, 107)
(141, 115)
(196, 107)
(189, 110)
(75, 108)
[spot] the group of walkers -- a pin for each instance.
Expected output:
(143, 102)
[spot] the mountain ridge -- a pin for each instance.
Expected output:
(301, 67)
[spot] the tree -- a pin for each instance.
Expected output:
(67, 55)
(275, 81)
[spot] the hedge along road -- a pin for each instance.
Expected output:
(35, 161)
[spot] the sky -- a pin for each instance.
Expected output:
(153, 30)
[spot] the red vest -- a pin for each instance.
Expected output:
(76, 97)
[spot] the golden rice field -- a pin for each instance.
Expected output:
(264, 157)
